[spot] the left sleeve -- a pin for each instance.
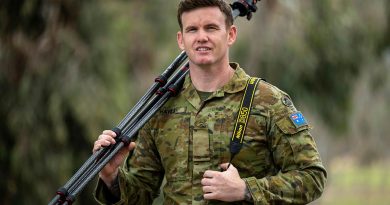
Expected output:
(301, 176)
(140, 178)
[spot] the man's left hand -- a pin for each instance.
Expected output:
(224, 186)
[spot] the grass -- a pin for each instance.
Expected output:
(353, 184)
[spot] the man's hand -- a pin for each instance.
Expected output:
(109, 173)
(224, 186)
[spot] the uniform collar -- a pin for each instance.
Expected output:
(238, 81)
(236, 84)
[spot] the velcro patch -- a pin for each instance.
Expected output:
(298, 120)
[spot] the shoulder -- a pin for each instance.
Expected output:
(271, 97)
(280, 108)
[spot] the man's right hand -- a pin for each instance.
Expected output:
(110, 172)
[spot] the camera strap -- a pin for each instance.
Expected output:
(242, 117)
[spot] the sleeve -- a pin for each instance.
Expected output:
(300, 176)
(139, 180)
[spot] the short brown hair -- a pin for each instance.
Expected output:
(189, 5)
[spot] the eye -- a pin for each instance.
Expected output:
(191, 30)
(212, 28)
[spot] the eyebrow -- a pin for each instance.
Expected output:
(206, 26)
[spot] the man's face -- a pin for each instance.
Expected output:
(205, 37)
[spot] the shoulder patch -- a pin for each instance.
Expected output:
(298, 120)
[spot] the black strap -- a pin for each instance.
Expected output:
(242, 117)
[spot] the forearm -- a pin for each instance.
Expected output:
(293, 187)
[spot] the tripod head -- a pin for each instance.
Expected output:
(244, 7)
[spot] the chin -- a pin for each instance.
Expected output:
(203, 62)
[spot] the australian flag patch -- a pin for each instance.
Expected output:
(298, 120)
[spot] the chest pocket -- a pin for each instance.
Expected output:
(254, 158)
(172, 142)
(221, 127)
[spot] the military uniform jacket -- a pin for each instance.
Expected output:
(279, 160)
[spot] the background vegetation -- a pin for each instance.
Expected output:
(69, 69)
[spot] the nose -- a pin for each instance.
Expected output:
(202, 36)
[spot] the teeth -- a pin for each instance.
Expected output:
(202, 49)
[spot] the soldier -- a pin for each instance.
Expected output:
(188, 140)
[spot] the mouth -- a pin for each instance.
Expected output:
(203, 49)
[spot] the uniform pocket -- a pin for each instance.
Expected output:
(201, 145)
(254, 158)
(172, 143)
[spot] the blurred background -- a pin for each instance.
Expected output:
(71, 68)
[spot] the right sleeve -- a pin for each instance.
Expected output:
(300, 176)
(141, 176)
(106, 196)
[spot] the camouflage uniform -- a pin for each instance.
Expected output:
(279, 161)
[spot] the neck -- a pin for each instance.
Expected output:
(210, 78)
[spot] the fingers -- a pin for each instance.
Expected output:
(210, 195)
(109, 132)
(131, 146)
(126, 150)
(209, 183)
(227, 166)
(224, 186)
(224, 166)
(206, 181)
(210, 174)
(208, 189)
(105, 139)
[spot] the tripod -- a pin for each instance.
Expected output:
(168, 84)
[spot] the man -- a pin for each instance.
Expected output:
(188, 140)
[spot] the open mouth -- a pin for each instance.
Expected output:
(203, 49)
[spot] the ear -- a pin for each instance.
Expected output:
(180, 40)
(232, 35)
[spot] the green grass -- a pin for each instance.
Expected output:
(353, 184)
